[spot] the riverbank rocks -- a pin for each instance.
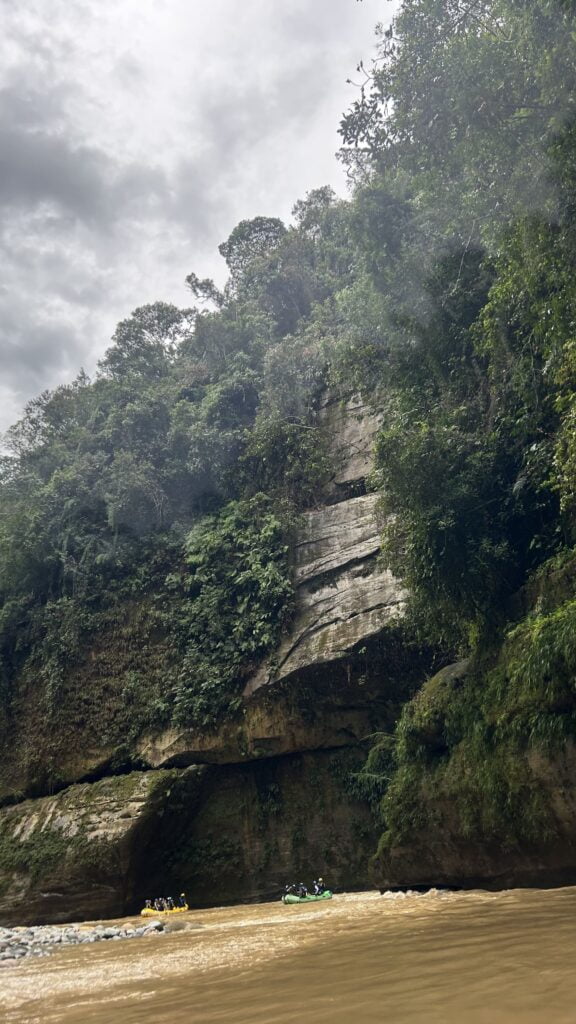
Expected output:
(41, 940)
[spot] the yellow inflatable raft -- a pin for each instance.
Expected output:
(150, 912)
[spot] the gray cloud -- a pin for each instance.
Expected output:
(39, 163)
(36, 167)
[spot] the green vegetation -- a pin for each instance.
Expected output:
(463, 147)
(146, 515)
(238, 598)
(474, 745)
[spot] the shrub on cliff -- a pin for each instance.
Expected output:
(234, 597)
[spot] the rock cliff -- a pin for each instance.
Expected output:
(72, 855)
(448, 855)
(344, 598)
(230, 813)
(484, 795)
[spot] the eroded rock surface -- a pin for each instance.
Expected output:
(348, 610)
(258, 825)
(351, 426)
(271, 728)
(218, 832)
(343, 596)
(70, 856)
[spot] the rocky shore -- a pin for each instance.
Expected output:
(41, 940)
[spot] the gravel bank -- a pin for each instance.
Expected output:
(41, 940)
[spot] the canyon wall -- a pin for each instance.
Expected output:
(232, 812)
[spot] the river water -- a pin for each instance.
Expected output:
(435, 958)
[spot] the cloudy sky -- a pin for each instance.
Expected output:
(134, 135)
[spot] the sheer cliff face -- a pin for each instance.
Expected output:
(449, 853)
(233, 813)
(341, 657)
(344, 599)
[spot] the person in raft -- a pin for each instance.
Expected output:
(297, 889)
(182, 902)
(318, 887)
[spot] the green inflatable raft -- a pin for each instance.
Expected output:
(288, 897)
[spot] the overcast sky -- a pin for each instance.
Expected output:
(134, 135)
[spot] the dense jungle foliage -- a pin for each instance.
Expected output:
(465, 123)
(444, 289)
(175, 477)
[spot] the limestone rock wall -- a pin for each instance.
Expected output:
(351, 426)
(343, 596)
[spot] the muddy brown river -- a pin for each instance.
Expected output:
(437, 958)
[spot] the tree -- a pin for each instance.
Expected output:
(205, 289)
(465, 97)
(145, 345)
(250, 240)
(311, 212)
